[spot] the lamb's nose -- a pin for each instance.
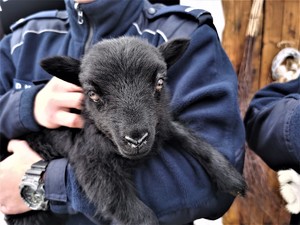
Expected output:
(136, 142)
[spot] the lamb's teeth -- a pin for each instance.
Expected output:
(132, 145)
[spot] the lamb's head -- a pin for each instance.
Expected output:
(123, 80)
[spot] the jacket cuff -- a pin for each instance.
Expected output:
(27, 106)
(55, 185)
(291, 132)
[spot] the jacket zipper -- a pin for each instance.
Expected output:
(80, 21)
(79, 13)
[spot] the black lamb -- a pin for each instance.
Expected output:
(126, 119)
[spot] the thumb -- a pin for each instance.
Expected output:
(17, 145)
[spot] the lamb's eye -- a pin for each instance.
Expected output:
(159, 84)
(93, 96)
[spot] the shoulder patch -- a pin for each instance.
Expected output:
(54, 14)
(169, 22)
(198, 15)
(53, 21)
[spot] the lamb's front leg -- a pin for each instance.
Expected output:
(220, 170)
(108, 186)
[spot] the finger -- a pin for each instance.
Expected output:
(19, 145)
(68, 100)
(66, 86)
(72, 120)
(72, 87)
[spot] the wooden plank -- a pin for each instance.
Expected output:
(234, 36)
(236, 16)
(290, 27)
(281, 32)
(257, 58)
(273, 23)
(298, 29)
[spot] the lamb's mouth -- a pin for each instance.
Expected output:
(134, 151)
(136, 145)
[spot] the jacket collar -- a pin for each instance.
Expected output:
(97, 18)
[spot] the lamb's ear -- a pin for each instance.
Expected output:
(63, 67)
(173, 50)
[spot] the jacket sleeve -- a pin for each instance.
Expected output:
(16, 114)
(272, 125)
(204, 96)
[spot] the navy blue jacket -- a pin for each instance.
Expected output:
(203, 88)
(273, 123)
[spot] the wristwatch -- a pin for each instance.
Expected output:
(32, 186)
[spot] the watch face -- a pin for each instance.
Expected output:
(32, 187)
(33, 198)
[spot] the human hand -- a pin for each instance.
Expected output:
(289, 181)
(53, 103)
(12, 170)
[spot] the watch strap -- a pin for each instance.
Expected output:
(37, 169)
